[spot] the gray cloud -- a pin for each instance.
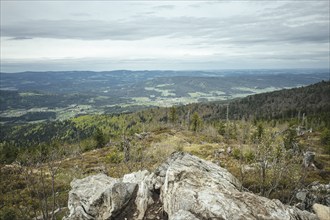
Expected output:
(80, 14)
(164, 7)
(20, 38)
(293, 22)
(239, 29)
(136, 29)
(275, 31)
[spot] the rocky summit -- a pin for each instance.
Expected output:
(184, 187)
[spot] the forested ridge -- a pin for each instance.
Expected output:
(310, 100)
(313, 100)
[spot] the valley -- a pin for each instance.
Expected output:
(40, 96)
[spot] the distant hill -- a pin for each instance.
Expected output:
(287, 103)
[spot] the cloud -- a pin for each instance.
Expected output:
(115, 30)
(239, 29)
(164, 7)
(273, 23)
(230, 32)
(81, 14)
(21, 38)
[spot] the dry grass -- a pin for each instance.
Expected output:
(150, 152)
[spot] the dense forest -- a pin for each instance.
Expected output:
(275, 127)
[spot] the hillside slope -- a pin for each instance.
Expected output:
(283, 104)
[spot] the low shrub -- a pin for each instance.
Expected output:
(115, 157)
(236, 153)
(249, 156)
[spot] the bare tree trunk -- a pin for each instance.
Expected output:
(53, 192)
(44, 194)
(263, 178)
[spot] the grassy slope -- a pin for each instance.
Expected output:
(148, 153)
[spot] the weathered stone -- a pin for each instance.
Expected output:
(98, 197)
(250, 167)
(144, 195)
(301, 195)
(309, 159)
(219, 153)
(184, 187)
(229, 150)
(322, 211)
(211, 192)
(183, 215)
(315, 193)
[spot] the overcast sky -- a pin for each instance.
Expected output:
(178, 35)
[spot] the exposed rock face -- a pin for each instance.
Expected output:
(103, 197)
(144, 195)
(98, 197)
(184, 187)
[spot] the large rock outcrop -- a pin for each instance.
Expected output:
(184, 187)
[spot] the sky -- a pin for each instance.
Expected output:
(163, 35)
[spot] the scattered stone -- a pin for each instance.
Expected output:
(301, 195)
(322, 211)
(229, 150)
(218, 153)
(315, 193)
(302, 130)
(309, 159)
(249, 168)
(142, 135)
